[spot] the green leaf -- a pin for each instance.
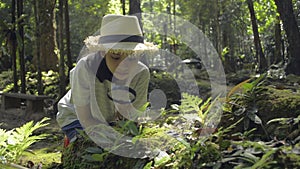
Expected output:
(161, 159)
(99, 157)
(254, 118)
(246, 123)
(247, 86)
(190, 103)
(133, 128)
(264, 160)
(21, 18)
(94, 150)
(280, 120)
(239, 111)
(144, 107)
(19, 139)
(175, 106)
(148, 165)
(225, 160)
(185, 143)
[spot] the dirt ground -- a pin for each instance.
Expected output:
(16, 117)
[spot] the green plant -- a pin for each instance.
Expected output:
(243, 103)
(194, 104)
(14, 142)
(250, 154)
(6, 78)
(292, 124)
(50, 80)
(180, 145)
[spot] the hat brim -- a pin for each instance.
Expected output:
(92, 44)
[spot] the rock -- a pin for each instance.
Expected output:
(270, 103)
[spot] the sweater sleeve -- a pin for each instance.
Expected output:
(80, 84)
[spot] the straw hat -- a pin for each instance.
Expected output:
(119, 33)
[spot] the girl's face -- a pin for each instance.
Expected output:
(120, 65)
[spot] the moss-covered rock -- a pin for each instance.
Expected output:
(271, 102)
(278, 103)
(78, 155)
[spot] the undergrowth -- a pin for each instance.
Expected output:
(189, 138)
(15, 142)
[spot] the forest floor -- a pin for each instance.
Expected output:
(46, 152)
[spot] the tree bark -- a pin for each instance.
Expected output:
(21, 46)
(258, 48)
(278, 43)
(62, 76)
(227, 42)
(217, 28)
(38, 49)
(13, 40)
(135, 9)
(285, 9)
(123, 7)
(48, 45)
(68, 38)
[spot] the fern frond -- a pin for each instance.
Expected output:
(237, 87)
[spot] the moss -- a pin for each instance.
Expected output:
(76, 156)
(271, 103)
(72, 155)
(276, 103)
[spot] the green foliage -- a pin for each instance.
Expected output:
(176, 142)
(243, 103)
(50, 82)
(85, 17)
(289, 121)
(128, 127)
(265, 14)
(181, 145)
(289, 127)
(115, 7)
(6, 79)
(194, 104)
(14, 142)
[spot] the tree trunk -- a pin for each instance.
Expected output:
(37, 44)
(48, 45)
(21, 46)
(226, 43)
(217, 28)
(258, 48)
(68, 42)
(285, 9)
(13, 40)
(135, 9)
(277, 53)
(62, 76)
(123, 7)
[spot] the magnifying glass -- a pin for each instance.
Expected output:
(121, 94)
